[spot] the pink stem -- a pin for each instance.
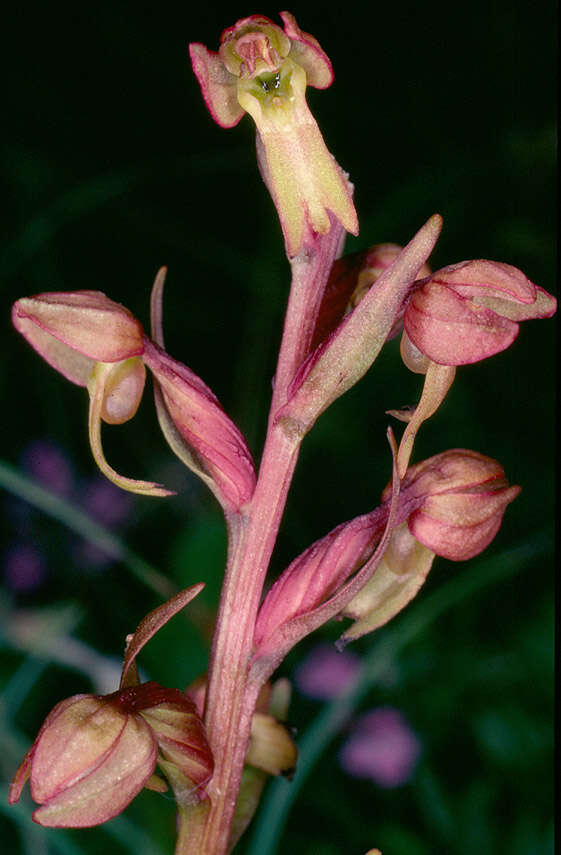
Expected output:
(231, 695)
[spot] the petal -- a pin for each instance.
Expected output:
(453, 330)
(123, 388)
(305, 50)
(302, 176)
(456, 470)
(481, 278)
(21, 776)
(66, 749)
(461, 538)
(72, 330)
(218, 86)
(111, 786)
(501, 287)
(96, 388)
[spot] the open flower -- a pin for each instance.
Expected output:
(97, 343)
(263, 70)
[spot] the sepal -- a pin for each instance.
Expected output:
(74, 330)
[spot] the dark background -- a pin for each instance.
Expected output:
(111, 167)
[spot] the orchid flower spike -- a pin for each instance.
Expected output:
(263, 70)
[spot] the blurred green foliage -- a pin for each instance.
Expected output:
(111, 166)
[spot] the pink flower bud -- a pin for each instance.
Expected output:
(461, 497)
(469, 311)
(96, 343)
(90, 759)
(95, 753)
(183, 751)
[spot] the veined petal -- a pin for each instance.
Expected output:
(454, 330)
(218, 86)
(65, 750)
(305, 50)
(498, 286)
(482, 278)
(73, 330)
(110, 786)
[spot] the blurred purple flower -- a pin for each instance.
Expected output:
(325, 672)
(90, 557)
(24, 568)
(382, 747)
(47, 463)
(108, 504)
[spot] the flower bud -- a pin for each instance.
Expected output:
(95, 753)
(90, 759)
(462, 496)
(96, 343)
(183, 751)
(471, 310)
(271, 746)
